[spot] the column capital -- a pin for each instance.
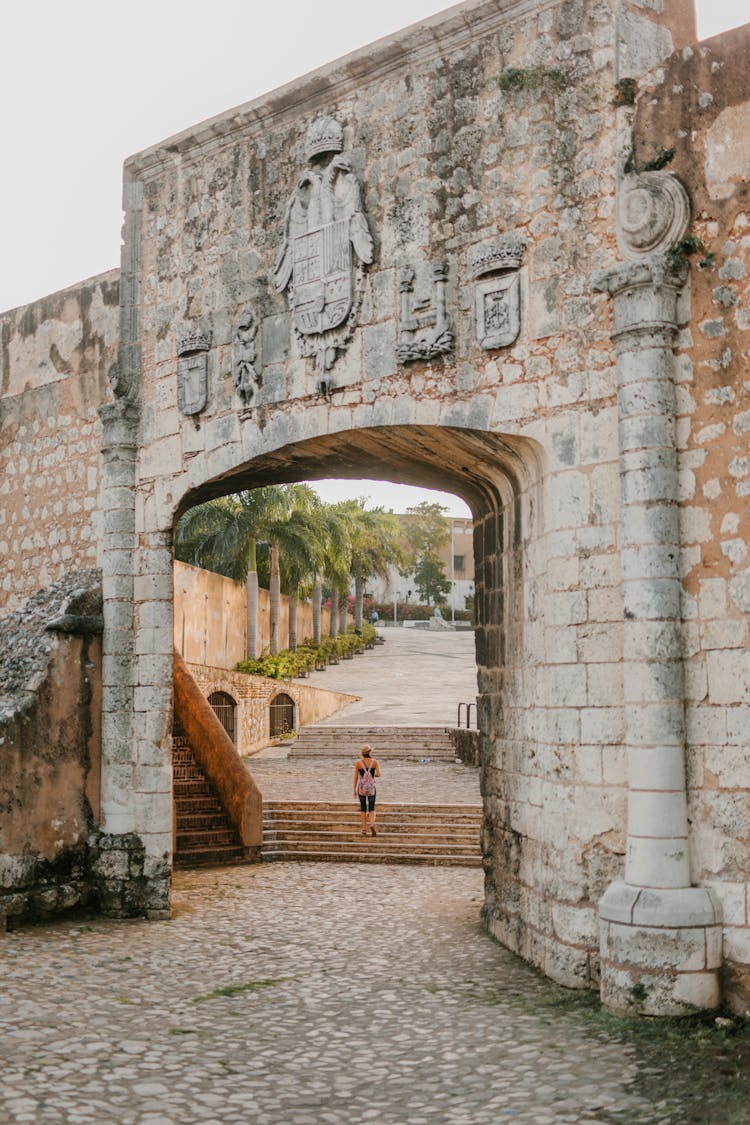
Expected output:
(119, 424)
(645, 296)
(655, 272)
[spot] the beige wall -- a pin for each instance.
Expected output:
(54, 359)
(210, 618)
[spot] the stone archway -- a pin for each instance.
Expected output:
(500, 478)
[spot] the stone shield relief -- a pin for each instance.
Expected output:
(495, 268)
(326, 246)
(497, 310)
(192, 372)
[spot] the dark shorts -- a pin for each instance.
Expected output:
(367, 804)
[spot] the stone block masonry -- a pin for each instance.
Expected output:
(438, 261)
(54, 359)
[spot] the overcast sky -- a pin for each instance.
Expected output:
(85, 83)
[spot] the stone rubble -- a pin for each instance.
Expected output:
(24, 643)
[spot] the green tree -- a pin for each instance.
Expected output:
(426, 533)
(430, 580)
(302, 544)
(337, 532)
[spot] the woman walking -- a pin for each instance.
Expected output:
(366, 770)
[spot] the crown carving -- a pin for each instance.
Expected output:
(324, 135)
(193, 342)
(502, 254)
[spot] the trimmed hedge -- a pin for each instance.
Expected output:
(287, 665)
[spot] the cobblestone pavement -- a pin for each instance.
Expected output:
(293, 994)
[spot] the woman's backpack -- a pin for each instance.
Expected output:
(366, 784)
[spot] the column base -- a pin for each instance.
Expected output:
(661, 950)
(127, 882)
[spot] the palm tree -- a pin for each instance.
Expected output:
(224, 535)
(300, 546)
(375, 538)
(337, 557)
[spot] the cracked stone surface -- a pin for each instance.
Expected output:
(313, 993)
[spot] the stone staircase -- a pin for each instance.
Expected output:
(204, 837)
(409, 743)
(438, 835)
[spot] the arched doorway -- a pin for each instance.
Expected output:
(225, 709)
(525, 747)
(281, 720)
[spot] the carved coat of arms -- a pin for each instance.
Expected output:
(192, 371)
(327, 243)
(497, 291)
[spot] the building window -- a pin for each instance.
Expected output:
(225, 709)
(459, 562)
(281, 715)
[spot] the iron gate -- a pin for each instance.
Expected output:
(282, 715)
(225, 709)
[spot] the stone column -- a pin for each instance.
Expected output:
(660, 937)
(130, 877)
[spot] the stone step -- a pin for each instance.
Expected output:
(387, 742)
(352, 824)
(199, 821)
(330, 830)
(200, 802)
(209, 857)
(203, 835)
(182, 774)
(346, 837)
(386, 808)
(309, 736)
(206, 838)
(421, 755)
(423, 826)
(411, 858)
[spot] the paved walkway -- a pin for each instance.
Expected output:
(326, 994)
(417, 678)
(294, 994)
(436, 783)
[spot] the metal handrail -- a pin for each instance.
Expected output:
(468, 707)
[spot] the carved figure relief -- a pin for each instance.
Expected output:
(192, 372)
(497, 291)
(245, 367)
(423, 328)
(327, 244)
(653, 213)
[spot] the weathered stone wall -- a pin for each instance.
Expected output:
(50, 751)
(700, 110)
(210, 618)
(54, 358)
(607, 478)
(527, 430)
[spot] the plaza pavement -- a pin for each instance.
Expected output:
(324, 994)
(417, 678)
(327, 994)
